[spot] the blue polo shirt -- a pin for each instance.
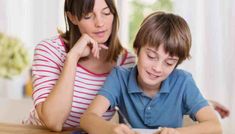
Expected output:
(178, 96)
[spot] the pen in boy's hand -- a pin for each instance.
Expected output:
(123, 117)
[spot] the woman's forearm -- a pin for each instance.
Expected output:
(55, 110)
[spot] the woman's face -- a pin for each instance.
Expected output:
(98, 23)
(154, 66)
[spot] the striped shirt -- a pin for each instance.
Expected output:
(48, 62)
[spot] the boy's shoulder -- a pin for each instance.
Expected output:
(180, 73)
(122, 72)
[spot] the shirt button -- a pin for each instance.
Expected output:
(149, 108)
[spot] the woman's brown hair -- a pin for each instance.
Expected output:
(72, 34)
(168, 29)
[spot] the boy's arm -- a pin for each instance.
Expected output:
(93, 123)
(208, 123)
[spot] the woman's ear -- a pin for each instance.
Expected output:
(72, 18)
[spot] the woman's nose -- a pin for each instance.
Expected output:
(99, 22)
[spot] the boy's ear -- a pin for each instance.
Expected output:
(136, 51)
(72, 18)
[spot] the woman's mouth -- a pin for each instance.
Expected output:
(100, 34)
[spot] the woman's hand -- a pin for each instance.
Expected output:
(86, 45)
(222, 110)
(168, 131)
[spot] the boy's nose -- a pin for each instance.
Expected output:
(157, 67)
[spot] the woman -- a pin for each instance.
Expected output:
(68, 70)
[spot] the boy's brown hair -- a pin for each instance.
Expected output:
(168, 29)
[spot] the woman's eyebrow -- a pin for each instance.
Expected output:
(105, 8)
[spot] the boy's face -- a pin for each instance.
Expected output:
(154, 66)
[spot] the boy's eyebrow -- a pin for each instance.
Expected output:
(173, 58)
(170, 58)
(152, 50)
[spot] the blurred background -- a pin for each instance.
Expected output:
(23, 23)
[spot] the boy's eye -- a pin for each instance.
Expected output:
(170, 63)
(151, 56)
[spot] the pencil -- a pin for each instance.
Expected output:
(123, 117)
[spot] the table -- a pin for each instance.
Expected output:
(29, 129)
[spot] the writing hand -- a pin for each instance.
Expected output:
(122, 129)
(168, 131)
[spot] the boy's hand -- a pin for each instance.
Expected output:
(122, 129)
(168, 131)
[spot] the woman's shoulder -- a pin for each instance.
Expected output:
(51, 48)
(126, 59)
(55, 42)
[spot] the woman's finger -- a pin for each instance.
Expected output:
(103, 46)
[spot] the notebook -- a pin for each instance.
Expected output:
(146, 131)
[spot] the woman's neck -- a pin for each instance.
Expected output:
(97, 66)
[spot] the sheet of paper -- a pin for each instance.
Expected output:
(146, 131)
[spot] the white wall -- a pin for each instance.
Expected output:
(212, 23)
(31, 21)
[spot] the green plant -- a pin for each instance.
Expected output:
(140, 9)
(14, 57)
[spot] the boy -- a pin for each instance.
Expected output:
(154, 93)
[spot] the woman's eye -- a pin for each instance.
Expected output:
(87, 16)
(107, 13)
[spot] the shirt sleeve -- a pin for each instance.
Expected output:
(193, 99)
(111, 88)
(128, 60)
(46, 69)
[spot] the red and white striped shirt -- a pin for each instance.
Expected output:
(49, 58)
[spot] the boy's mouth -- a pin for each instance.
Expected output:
(152, 76)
